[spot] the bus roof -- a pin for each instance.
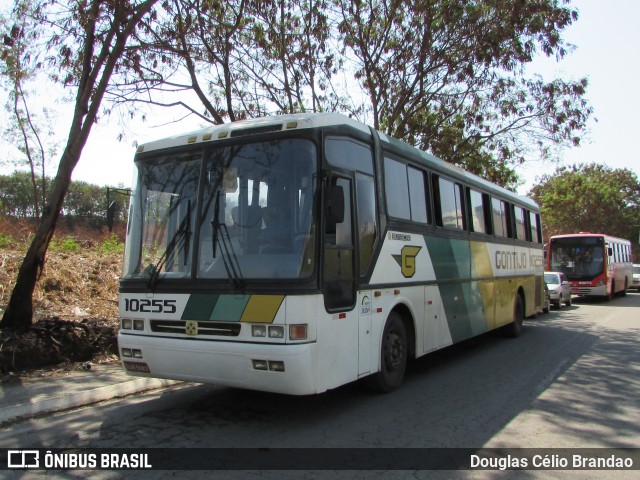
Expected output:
(278, 123)
(275, 123)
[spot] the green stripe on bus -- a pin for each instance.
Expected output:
(199, 306)
(445, 262)
(230, 307)
(464, 303)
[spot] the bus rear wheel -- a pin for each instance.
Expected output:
(514, 329)
(393, 356)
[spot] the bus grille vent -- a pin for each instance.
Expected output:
(225, 329)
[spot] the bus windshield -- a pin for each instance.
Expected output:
(579, 258)
(250, 206)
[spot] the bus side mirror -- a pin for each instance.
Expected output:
(111, 215)
(335, 204)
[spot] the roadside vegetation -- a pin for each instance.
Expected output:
(75, 301)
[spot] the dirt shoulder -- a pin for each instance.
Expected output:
(75, 310)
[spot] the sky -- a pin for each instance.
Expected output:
(607, 41)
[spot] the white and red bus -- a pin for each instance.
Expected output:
(595, 264)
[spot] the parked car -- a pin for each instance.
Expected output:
(635, 283)
(559, 289)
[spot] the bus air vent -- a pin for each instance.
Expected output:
(256, 130)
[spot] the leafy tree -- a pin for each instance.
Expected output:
(294, 63)
(88, 41)
(83, 200)
(449, 77)
(19, 67)
(16, 194)
(590, 198)
(241, 59)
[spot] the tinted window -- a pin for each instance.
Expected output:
(518, 213)
(535, 227)
(367, 225)
(418, 196)
(349, 154)
(406, 192)
(396, 189)
(450, 204)
(477, 210)
(499, 212)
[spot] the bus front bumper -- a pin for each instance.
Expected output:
(280, 368)
(586, 291)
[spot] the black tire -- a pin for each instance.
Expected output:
(514, 329)
(393, 356)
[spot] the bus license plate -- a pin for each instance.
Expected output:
(136, 367)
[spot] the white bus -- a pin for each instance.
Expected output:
(298, 253)
(595, 264)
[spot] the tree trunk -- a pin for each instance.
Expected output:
(96, 71)
(19, 312)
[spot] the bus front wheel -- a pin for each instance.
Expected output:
(393, 356)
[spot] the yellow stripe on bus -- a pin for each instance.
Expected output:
(262, 308)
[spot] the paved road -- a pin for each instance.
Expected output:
(572, 380)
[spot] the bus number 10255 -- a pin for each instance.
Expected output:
(146, 305)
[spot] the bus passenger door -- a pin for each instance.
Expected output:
(339, 276)
(364, 333)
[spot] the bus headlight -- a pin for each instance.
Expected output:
(276, 331)
(127, 324)
(259, 331)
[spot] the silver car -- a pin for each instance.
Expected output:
(559, 289)
(635, 283)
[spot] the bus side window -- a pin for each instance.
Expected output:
(418, 195)
(520, 226)
(478, 208)
(536, 236)
(499, 214)
(367, 220)
(448, 203)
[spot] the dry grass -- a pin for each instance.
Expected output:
(72, 285)
(75, 301)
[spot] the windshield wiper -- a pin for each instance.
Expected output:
(229, 257)
(179, 241)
